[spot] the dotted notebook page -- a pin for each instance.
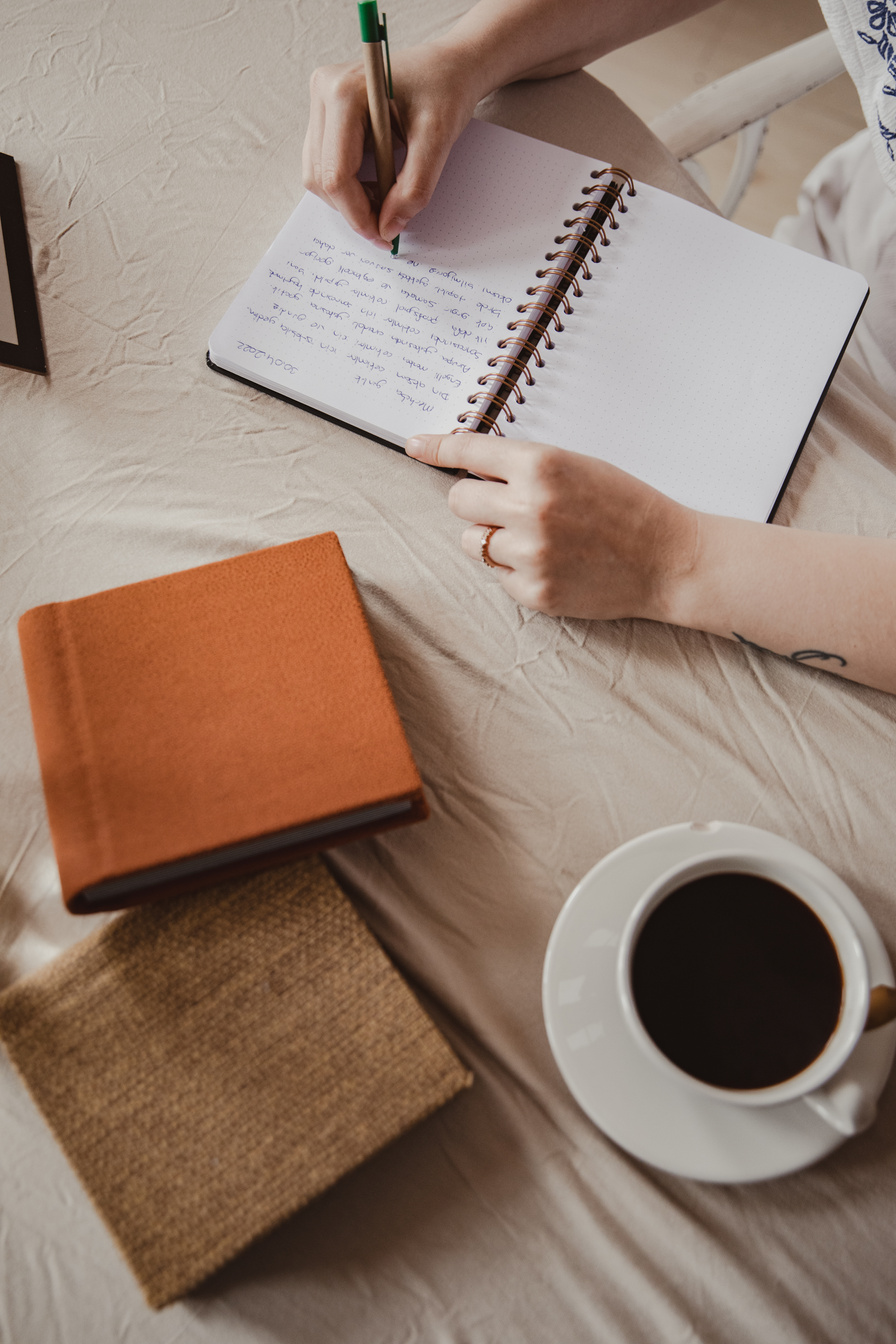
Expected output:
(394, 345)
(696, 357)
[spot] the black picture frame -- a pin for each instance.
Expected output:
(28, 351)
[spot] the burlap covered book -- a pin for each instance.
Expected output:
(211, 1064)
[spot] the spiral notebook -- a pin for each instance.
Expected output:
(545, 295)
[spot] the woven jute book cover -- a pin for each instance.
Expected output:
(210, 1064)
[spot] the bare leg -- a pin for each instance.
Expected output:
(579, 113)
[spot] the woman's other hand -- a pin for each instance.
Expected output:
(576, 536)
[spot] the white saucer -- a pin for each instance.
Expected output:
(648, 1114)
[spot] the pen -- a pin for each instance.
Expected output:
(374, 38)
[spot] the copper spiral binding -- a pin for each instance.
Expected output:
(503, 409)
(555, 256)
(516, 362)
(544, 308)
(499, 378)
(530, 349)
(586, 222)
(484, 419)
(611, 219)
(515, 340)
(609, 188)
(613, 186)
(576, 238)
(538, 317)
(545, 289)
(555, 270)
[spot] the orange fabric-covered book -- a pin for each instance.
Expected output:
(212, 722)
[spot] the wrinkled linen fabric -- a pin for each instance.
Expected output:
(847, 214)
(159, 151)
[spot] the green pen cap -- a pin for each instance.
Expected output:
(370, 21)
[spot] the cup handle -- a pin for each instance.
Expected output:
(843, 1105)
(841, 1102)
(881, 1007)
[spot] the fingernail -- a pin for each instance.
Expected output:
(414, 446)
(398, 226)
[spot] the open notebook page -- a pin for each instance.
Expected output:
(394, 345)
(695, 358)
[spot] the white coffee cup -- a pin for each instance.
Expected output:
(842, 1104)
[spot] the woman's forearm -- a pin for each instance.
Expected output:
(536, 39)
(818, 598)
(575, 536)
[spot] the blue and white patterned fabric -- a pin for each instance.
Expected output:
(865, 33)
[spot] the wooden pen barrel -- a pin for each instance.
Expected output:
(380, 121)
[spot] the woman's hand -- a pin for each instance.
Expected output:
(435, 94)
(438, 84)
(576, 536)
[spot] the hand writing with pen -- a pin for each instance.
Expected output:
(565, 533)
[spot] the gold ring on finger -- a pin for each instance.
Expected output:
(483, 546)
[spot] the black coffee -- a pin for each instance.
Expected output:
(737, 981)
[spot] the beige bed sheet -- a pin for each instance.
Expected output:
(159, 153)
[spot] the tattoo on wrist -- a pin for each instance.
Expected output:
(800, 656)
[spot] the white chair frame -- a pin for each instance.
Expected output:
(741, 104)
